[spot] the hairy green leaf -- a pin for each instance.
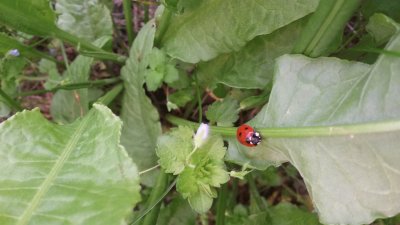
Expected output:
(224, 113)
(381, 28)
(173, 149)
(88, 19)
(141, 120)
(253, 65)
(352, 178)
(217, 26)
(74, 174)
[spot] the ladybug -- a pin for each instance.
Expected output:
(247, 136)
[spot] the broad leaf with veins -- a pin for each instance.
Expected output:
(218, 26)
(353, 178)
(72, 174)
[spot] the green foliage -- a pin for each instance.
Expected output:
(329, 91)
(200, 170)
(88, 19)
(381, 28)
(177, 212)
(224, 112)
(213, 27)
(141, 120)
(161, 68)
(83, 164)
(8, 43)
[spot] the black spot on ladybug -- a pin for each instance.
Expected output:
(240, 134)
(246, 128)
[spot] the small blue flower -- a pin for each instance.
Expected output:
(13, 52)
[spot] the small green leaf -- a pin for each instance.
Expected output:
(157, 59)
(50, 68)
(88, 19)
(153, 79)
(53, 175)
(288, 214)
(7, 43)
(381, 28)
(181, 97)
(224, 113)
(171, 74)
(173, 149)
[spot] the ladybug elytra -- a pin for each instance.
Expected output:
(247, 136)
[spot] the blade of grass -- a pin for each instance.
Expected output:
(127, 4)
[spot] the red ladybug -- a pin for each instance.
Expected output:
(247, 136)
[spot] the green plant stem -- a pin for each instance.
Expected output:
(162, 26)
(9, 101)
(111, 95)
(296, 132)
(199, 102)
(65, 58)
(127, 4)
(151, 206)
(156, 193)
(375, 50)
(254, 192)
(221, 205)
(73, 86)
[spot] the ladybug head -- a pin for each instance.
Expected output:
(254, 139)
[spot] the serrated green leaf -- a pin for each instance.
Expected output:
(171, 74)
(153, 79)
(253, 65)
(53, 174)
(212, 27)
(204, 171)
(224, 113)
(181, 97)
(88, 19)
(174, 148)
(352, 178)
(141, 120)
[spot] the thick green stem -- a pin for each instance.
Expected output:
(199, 102)
(73, 86)
(254, 193)
(162, 26)
(9, 101)
(128, 19)
(296, 132)
(111, 95)
(322, 29)
(221, 205)
(155, 203)
(154, 199)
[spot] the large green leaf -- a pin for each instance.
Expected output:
(141, 120)
(218, 26)
(37, 18)
(354, 177)
(253, 65)
(66, 105)
(74, 174)
(87, 19)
